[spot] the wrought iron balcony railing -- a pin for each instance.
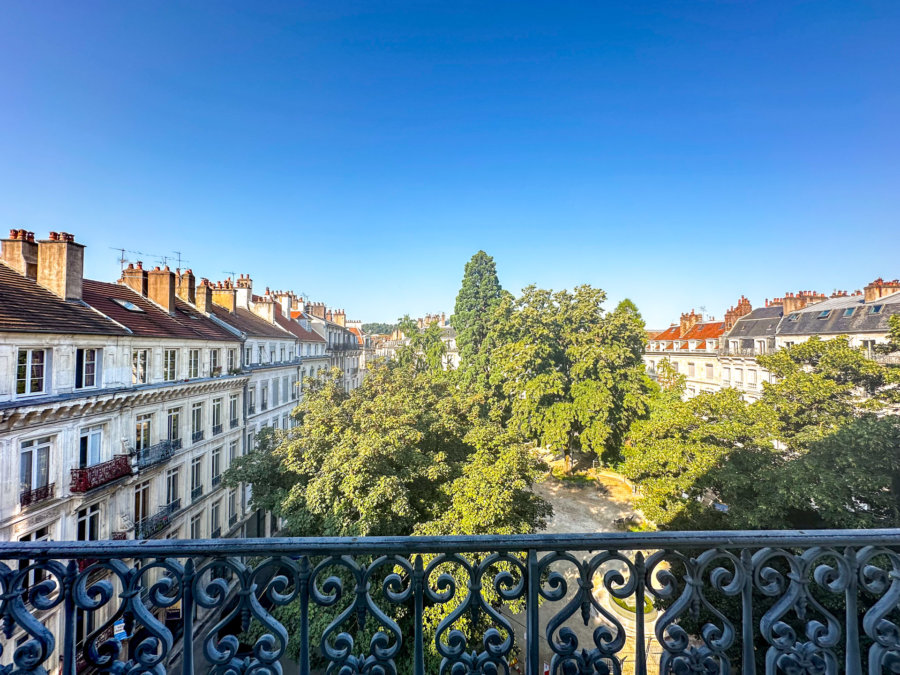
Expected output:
(196, 436)
(155, 454)
(216, 480)
(251, 409)
(232, 520)
(94, 476)
(196, 493)
(217, 429)
(663, 602)
(147, 527)
(38, 494)
(234, 422)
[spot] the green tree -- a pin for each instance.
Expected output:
(379, 328)
(478, 296)
(425, 349)
(571, 375)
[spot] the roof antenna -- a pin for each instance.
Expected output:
(122, 258)
(231, 275)
(178, 254)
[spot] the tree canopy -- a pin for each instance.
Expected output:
(379, 328)
(478, 296)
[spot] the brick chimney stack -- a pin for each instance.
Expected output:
(161, 288)
(794, 302)
(244, 286)
(881, 288)
(204, 296)
(316, 309)
(265, 307)
(60, 265)
(225, 295)
(340, 317)
(734, 313)
(689, 320)
(185, 287)
(20, 252)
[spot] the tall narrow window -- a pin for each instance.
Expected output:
(194, 363)
(215, 527)
(264, 396)
(173, 424)
(31, 372)
(709, 371)
(196, 526)
(216, 461)
(173, 486)
(197, 422)
(89, 447)
(87, 366)
(196, 477)
(88, 522)
(141, 501)
(34, 463)
(170, 365)
(142, 431)
(232, 360)
(217, 416)
(232, 451)
(233, 410)
(282, 353)
(285, 389)
(214, 366)
(251, 400)
(139, 366)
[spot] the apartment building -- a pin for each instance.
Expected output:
(341, 345)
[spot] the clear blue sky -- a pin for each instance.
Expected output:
(676, 152)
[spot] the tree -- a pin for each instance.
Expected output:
(379, 328)
(478, 296)
(426, 348)
(570, 374)
(816, 440)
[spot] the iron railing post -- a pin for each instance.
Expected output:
(747, 647)
(187, 617)
(853, 660)
(532, 621)
(68, 637)
(640, 648)
(419, 599)
(304, 577)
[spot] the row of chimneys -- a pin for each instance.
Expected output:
(793, 302)
(56, 263)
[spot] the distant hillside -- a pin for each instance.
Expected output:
(373, 328)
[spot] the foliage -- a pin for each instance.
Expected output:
(378, 328)
(425, 349)
(571, 374)
(669, 378)
(478, 296)
(816, 440)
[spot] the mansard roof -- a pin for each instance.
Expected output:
(150, 320)
(845, 314)
(249, 323)
(761, 322)
(27, 307)
(296, 329)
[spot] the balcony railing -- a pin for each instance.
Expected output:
(94, 476)
(38, 494)
(156, 454)
(234, 422)
(216, 480)
(151, 525)
(216, 533)
(217, 429)
(251, 409)
(739, 351)
(196, 436)
(196, 493)
(232, 520)
(660, 602)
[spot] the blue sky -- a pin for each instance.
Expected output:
(679, 153)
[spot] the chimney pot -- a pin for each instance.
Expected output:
(60, 267)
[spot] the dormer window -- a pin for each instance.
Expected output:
(849, 311)
(875, 309)
(824, 314)
(130, 306)
(794, 316)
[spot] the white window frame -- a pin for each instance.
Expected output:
(29, 366)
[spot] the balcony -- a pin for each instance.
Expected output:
(38, 494)
(196, 493)
(660, 602)
(738, 351)
(216, 480)
(156, 454)
(217, 429)
(147, 527)
(251, 409)
(90, 477)
(216, 533)
(234, 423)
(232, 520)
(196, 436)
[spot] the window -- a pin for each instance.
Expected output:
(196, 527)
(249, 446)
(726, 374)
(760, 346)
(275, 392)
(849, 311)
(824, 314)
(130, 306)
(196, 474)
(709, 371)
(170, 364)
(142, 431)
(141, 501)
(248, 356)
(272, 354)
(217, 415)
(262, 353)
(214, 526)
(214, 366)
(34, 464)
(232, 506)
(233, 410)
(875, 309)
(691, 370)
(194, 363)
(675, 366)
(31, 371)
(284, 421)
(793, 316)
(751, 377)
(197, 422)
(294, 389)
(89, 523)
(738, 376)
(232, 360)
(173, 424)
(232, 451)
(87, 366)
(284, 389)
(34, 576)
(173, 486)
(89, 447)
(216, 460)
(139, 366)
(264, 396)
(251, 400)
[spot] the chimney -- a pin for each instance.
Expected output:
(794, 302)
(316, 309)
(185, 288)
(60, 266)
(286, 301)
(265, 308)
(161, 288)
(244, 286)
(880, 288)
(734, 313)
(135, 277)
(340, 317)
(688, 321)
(21, 253)
(204, 296)
(225, 295)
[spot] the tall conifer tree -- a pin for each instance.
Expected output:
(478, 297)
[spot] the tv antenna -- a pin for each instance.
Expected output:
(231, 275)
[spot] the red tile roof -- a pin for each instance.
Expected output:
(703, 331)
(248, 323)
(671, 333)
(187, 323)
(358, 334)
(27, 307)
(296, 328)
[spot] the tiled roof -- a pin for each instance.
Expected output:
(860, 320)
(761, 322)
(359, 338)
(670, 333)
(248, 323)
(705, 331)
(186, 323)
(296, 329)
(29, 308)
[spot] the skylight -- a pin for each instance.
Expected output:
(849, 311)
(794, 316)
(127, 304)
(824, 314)
(875, 309)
